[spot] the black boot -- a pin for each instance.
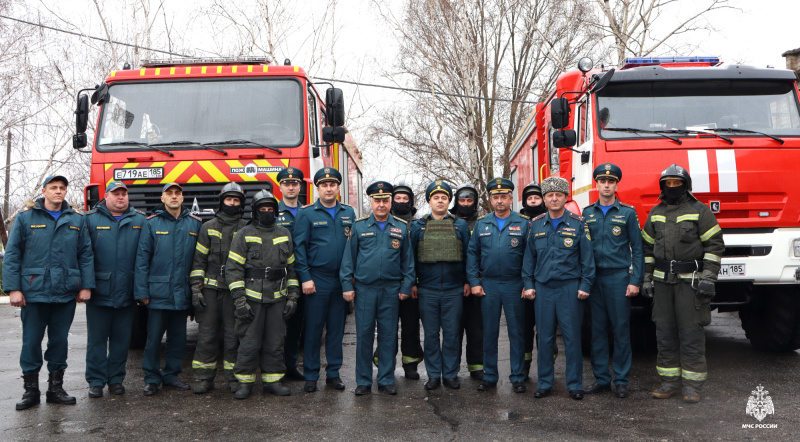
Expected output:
(526, 370)
(411, 371)
(32, 394)
(55, 390)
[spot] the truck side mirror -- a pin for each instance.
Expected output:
(333, 134)
(564, 138)
(559, 113)
(81, 120)
(100, 94)
(334, 106)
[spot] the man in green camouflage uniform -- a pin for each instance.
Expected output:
(213, 305)
(264, 286)
(682, 252)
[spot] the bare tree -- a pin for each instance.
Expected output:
(484, 63)
(632, 24)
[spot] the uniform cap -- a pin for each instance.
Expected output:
(168, 185)
(380, 189)
(607, 170)
(327, 174)
(54, 178)
(499, 185)
(555, 184)
(290, 174)
(438, 186)
(114, 185)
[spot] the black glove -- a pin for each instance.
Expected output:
(198, 301)
(289, 309)
(243, 311)
(648, 287)
(706, 289)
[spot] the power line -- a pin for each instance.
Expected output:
(423, 91)
(92, 37)
(381, 86)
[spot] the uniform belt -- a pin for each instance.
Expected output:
(676, 267)
(270, 273)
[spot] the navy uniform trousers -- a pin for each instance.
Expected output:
(376, 304)
(441, 310)
(557, 303)
(109, 337)
(325, 309)
(56, 318)
(609, 304)
(159, 321)
(505, 296)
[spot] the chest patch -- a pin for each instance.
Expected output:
(103, 228)
(75, 228)
(514, 227)
(162, 232)
(514, 242)
(38, 226)
(395, 243)
(320, 223)
(616, 230)
(485, 234)
(366, 234)
(568, 242)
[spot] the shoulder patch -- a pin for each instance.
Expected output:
(630, 206)
(578, 217)
(541, 215)
(152, 216)
(192, 215)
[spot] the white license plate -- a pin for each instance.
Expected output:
(147, 173)
(731, 270)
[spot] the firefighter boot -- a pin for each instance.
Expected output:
(244, 390)
(55, 390)
(32, 395)
(666, 391)
(204, 386)
(411, 371)
(526, 370)
(691, 395)
(234, 386)
(277, 389)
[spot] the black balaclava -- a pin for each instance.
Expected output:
(673, 194)
(231, 210)
(266, 219)
(466, 211)
(401, 208)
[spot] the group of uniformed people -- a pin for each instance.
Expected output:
(259, 287)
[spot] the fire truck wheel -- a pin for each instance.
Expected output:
(772, 320)
(139, 328)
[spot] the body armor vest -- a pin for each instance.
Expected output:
(440, 242)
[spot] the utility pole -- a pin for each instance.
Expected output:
(8, 171)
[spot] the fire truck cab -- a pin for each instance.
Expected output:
(735, 128)
(205, 122)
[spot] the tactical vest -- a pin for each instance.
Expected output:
(439, 242)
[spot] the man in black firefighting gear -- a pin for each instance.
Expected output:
(683, 246)
(213, 305)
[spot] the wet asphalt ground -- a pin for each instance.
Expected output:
(735, 370)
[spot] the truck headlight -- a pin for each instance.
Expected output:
(796, 248)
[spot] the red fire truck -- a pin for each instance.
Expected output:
(204, 122)
(735, 128)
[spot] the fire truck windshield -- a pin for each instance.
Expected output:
(264, 112)
(747, 108)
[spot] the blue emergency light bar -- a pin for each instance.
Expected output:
(650, 61)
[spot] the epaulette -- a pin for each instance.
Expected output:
(346, 205)
(89, 212)
(152, 216)
(480, 218)
(578, 217)
(588, 207)
(25, 209)
(524, 216)
(77, 213)
(540, 216)
(139, 212)
(307, 205)
(401, 220)
(362, 218)
(192, 215)
(630, 206)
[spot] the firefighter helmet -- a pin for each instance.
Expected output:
(232, 189)
(402, 187)
(531, 189)
(263, 198)
(676, 172)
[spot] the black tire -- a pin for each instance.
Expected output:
(772, 319)
(139, 328)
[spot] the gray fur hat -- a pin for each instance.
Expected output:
(555, 184)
